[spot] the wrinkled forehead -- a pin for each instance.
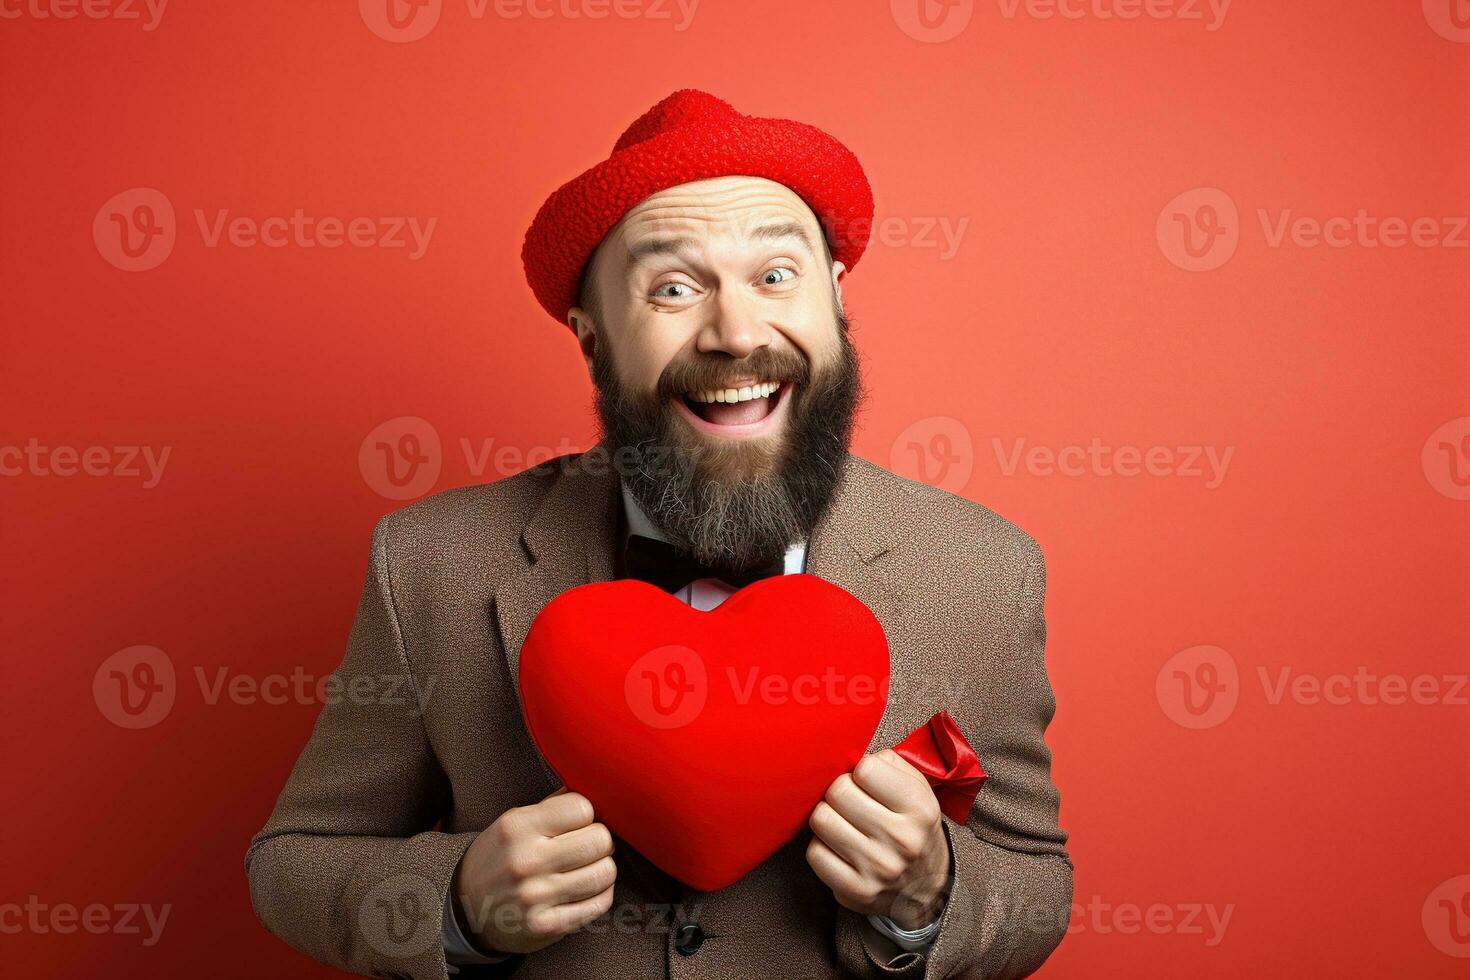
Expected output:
(730, 215)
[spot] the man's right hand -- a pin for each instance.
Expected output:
(535, 874)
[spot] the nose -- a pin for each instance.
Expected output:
(734, 326)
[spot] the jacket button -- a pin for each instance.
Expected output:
(688, 938)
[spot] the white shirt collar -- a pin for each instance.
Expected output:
(638, 523)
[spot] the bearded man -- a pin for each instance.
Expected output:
(700, 269)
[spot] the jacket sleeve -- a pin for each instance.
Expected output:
(348, 868)
(1012, 895)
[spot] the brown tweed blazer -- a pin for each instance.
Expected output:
(425, 746)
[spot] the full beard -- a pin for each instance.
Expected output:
(734, 504)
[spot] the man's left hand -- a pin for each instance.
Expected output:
(879, 843)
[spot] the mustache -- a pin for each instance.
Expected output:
(707, 371)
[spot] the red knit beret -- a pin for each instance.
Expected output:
(692, 135)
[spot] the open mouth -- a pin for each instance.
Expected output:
(744, 410)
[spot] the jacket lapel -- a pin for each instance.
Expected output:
(568, 541)
(851, 548)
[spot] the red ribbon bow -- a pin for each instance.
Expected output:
(939, 751)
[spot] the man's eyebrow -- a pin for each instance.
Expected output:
(665, 245)
(661, 246)
(784, 229)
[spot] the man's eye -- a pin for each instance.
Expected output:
(779, 274)
(672, 290)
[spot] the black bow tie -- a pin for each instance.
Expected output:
(671, 568)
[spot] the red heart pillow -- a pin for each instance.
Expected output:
(704, 739)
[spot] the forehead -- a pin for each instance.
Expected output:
(733, 210)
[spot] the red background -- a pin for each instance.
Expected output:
(1329, 545)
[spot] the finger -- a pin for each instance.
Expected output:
(558, 814)
(574, 915)
(845, 840)
(578, 848)
(861, 810)
(890, 780)
(835, 873)
(569, 887)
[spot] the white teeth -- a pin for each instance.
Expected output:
(761, 390)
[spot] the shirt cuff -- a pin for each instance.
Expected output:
(908, 940)
(913, 940)
(457, 949)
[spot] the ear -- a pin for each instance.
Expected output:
(585, 328)
(838, 270)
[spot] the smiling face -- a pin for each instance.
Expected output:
(712, 326)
